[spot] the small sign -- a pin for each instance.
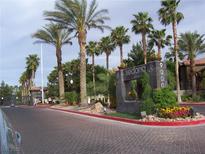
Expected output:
(143, 114)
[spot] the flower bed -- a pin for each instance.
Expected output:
(175, 112)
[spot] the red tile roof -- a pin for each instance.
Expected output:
(200, 61)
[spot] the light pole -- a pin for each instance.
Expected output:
(42, 80)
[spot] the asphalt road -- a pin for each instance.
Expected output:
(45, 131)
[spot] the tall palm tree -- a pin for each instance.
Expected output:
(78, 17)
(92, 50)
(168, 15)
(24, 80)
(142, 24)
(32, 62)
(119, 37)
(54, 34)
(106, 46)
(192, 44)
(159, 38)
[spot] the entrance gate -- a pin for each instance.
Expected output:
(158, 79)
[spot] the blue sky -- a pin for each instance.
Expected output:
(20, 18)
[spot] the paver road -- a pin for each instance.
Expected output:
(45, 131)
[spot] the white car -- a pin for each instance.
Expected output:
(10, 140)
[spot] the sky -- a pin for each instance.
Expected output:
(19, 19)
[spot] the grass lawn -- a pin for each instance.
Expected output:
(124, 115)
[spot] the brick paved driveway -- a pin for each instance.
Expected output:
(46, 131)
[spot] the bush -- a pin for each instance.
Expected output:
(164, 98)
(71, 97)
(148, 106)
(186, 97)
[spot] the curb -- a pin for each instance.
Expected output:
(132, 121)
(193, 104)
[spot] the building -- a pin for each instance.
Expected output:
(185, 77)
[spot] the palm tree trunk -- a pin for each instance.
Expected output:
(32, 78)
(121, 54)
(159, 52)
(83, 91)
(60, 73)
(93, 65)
(107, 63)
(193, 77)
(144, 47)
(174, 26)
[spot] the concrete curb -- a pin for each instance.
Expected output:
(193, 103)
(132, 121)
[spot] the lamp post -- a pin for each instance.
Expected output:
(69, 75)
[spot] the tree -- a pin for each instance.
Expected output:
(159, 38)
(32, 62)
(168, 15)
(78, 17)
(24, 80)
(192, 44)
(73, 67)
(136, 54)
(54, 34)
(106, 46)
(142, 24)
(5, 91)
(92, 50)
(119, 37)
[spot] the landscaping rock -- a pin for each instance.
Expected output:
(99, 107)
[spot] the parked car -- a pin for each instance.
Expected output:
(10, 140)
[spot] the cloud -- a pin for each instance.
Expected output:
(19, 19)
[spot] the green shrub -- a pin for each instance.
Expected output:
(196, 98)
(148, 106)
(164, 98)
(71, 97)
(186, 97)
(145, 82)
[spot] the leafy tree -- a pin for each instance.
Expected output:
(168, 15)
(72, 69)
(119, 37)
(6, 91)
(192, 44)
(142, 24)
(134, 57)
(92, 50)
(159, 38)
(54, 34)
(170, 56)
(78, 17)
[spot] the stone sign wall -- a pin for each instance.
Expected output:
(158, 79)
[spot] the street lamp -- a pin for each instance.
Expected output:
(69, 75)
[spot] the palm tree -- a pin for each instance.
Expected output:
(192, 44)
(54, 34)
(119, 37)
(92, 50)
(78, 17)
(106, 46)
(24, 80)
(159, 38)
(32, 62)
(142, 24)
(168, 15)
